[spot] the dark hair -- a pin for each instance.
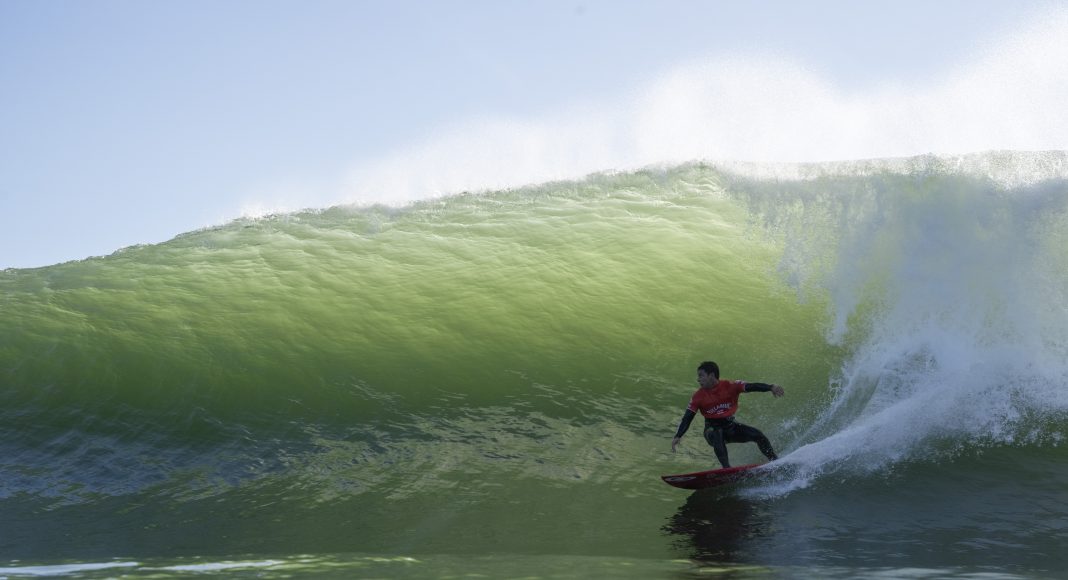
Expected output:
(710, 368)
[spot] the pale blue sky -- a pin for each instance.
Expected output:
(131, 121)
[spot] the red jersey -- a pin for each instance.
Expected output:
(719, 402)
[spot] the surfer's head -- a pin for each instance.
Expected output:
(710, 368)
(707, 373)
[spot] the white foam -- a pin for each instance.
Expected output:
(221, 566)
(63, 569)
(951, 296)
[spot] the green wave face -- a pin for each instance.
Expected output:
(353, 312)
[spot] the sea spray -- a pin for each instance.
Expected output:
(946, 287)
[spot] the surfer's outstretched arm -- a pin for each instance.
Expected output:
(775, 390)
(687, 418)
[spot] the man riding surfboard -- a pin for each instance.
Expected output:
(717, 401)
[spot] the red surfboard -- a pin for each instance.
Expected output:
(711, 478)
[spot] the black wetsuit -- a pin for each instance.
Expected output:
(719, 432)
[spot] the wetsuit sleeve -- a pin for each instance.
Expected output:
(757, 388)
(687, 418)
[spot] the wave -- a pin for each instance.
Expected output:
(914, 308)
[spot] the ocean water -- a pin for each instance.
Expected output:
(486, 385)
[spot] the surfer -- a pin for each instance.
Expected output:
(717, 400)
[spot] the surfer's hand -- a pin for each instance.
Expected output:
(675, 443)
(777, 391)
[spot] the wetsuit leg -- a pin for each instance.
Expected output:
(715, 438)
(744, 434)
